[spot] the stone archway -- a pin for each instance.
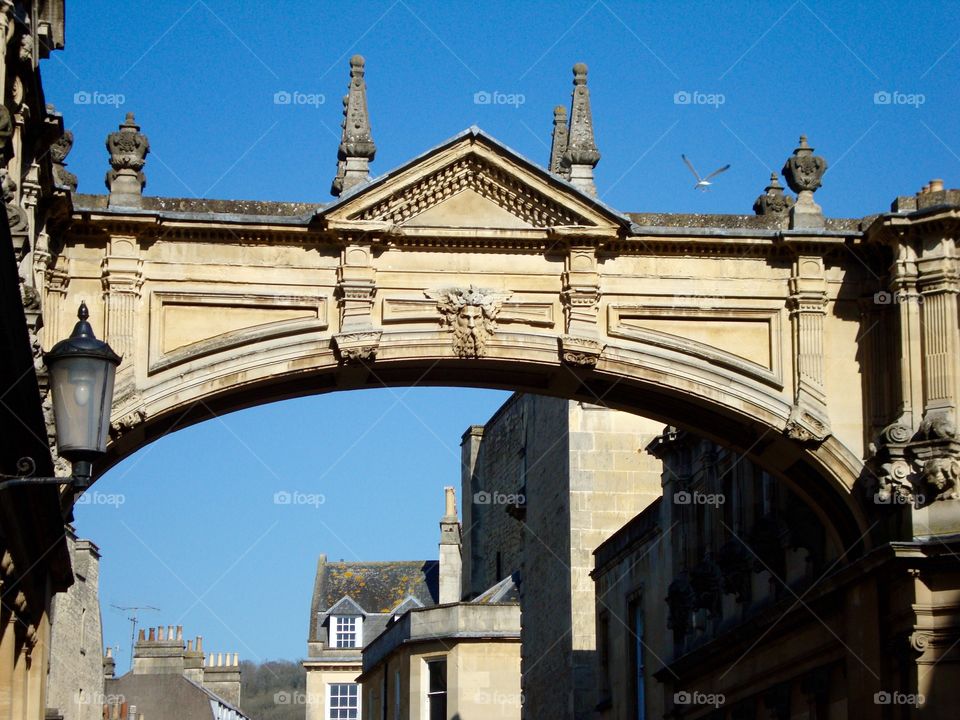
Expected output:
(470, 265)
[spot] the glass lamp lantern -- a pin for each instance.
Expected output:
(82, 370)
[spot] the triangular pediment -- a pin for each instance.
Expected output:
(473, 182)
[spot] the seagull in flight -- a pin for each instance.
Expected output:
(703, 184)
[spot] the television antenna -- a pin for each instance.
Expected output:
(133, 618)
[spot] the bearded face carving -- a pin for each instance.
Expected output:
(471, 315)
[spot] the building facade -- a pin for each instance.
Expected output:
(449, 662)
(545, 482)
(725, 599)
(75, 680)
(352, 604)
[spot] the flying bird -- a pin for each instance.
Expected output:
(703, 184)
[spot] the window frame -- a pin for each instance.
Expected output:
(337, 633)
(328, 715)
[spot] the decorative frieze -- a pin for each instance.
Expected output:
(480, 176)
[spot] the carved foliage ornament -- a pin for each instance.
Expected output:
(804, 170)
(471, 315)
(128, 149)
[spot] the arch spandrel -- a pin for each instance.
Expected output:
(470, 265)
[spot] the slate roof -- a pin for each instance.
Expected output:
(377, 587)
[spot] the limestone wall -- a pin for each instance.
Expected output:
(584, 473)
(75, 681)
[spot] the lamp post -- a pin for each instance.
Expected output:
(82, 371)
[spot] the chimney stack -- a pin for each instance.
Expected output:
(109, 665)
(223, 679)
(451, 562)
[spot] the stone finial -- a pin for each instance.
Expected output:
(59, 150)
(804, 172)
(558, 146)
(356, 142)
(581, 155)
(773, 201)
(128, 148)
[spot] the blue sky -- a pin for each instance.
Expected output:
(873, 85)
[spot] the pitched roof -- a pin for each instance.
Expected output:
(167, 697)
(377, 587)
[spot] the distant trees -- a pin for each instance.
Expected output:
(273, 690)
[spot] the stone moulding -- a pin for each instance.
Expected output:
(473, 173)
(357, 346)
(619, 315)
(160, 360)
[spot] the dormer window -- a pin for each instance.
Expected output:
(347, 631)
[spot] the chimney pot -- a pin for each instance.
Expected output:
(199, 643)
(180, 633)
(142, 635)
(189, 645)
(153, 635)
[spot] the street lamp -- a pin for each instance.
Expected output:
(82, 371)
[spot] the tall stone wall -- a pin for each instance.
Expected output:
(584, 474)
(612, 479)
(546, 643)
(75, 681)
(492, 471)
